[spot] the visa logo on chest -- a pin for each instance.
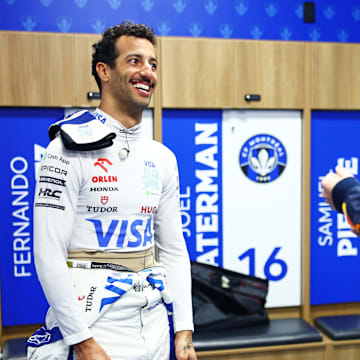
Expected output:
(149, 164)
(126, 231)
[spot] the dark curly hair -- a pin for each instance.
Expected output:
(105, 50)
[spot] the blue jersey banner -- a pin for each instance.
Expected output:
(24, 138)
(335, 257)
(196, 139)
(336, 20)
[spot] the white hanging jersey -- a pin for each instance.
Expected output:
(98, 200)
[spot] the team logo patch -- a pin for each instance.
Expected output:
(262, 158)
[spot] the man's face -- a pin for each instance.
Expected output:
(133, 78)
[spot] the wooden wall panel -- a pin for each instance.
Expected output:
(335, 76)
(305, 193)
(347, 349)
(61, 76)
(84, 81)
(18, 331)
(214, 73)
(36, 69)
(274, 70)
(197, 72)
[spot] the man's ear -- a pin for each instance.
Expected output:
(103, 71)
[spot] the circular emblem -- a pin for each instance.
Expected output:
(262, 158)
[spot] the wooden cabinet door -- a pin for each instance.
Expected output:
(36, 69)
(335, 76)
(218, 73)
(84, 81)
(197, 72)
(273, 70)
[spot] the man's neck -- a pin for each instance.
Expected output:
(126, 116)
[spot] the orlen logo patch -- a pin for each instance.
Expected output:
(262, 158)
(102, 162)
(104, 179)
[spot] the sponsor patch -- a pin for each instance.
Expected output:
(148, 209)
(56, 157)
(103, 163)
(52, 180)
(54, 169)
(104, 188)
(149, 163)
(104, 200)
(104, 179)
(102, 209)
(60, 207)
(49, 193)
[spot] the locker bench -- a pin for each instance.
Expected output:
(280, 339)
(339, 327)
(343, 332)
(280, 336)
(14, 349)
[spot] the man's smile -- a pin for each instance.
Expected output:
(142, 87)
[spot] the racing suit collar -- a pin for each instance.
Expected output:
(116, 125)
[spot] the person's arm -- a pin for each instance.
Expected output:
(342, 191)
(184, 348)
(90, 350)
(174, 257)
(56, 195)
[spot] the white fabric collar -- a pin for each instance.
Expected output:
(116, 125)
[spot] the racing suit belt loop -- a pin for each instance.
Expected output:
(133, 261)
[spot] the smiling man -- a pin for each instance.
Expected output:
(117, 199)
(126, 74)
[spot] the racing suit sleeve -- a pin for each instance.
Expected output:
(346, 198)
(171, 248)
(56, 194)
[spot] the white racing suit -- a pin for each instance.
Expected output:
(97, 200)
(117, 305)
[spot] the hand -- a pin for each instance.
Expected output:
(184, 348)
(330, 180)
(90, 350)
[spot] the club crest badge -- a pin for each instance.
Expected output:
(262, 158)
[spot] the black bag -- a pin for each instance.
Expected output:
(224, 299)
